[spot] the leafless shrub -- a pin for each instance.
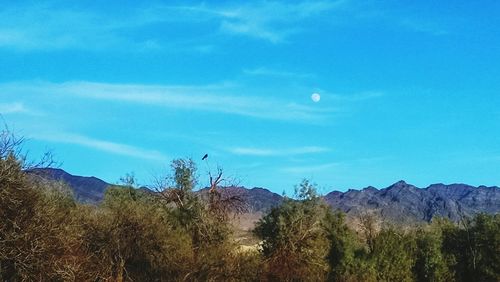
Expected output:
(11, 144)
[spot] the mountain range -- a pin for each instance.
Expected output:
(401, 202)
(85, 189)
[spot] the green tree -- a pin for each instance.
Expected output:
(487, 232)
(430, 264)
(473, 248)
(347, 256)
(294, 241)
(206, 222)
(393, 256)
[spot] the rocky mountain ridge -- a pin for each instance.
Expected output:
(403, 202)
(400, 202)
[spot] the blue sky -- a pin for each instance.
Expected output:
(409, 89)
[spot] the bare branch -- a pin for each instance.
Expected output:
(215, 182)
(12, 145)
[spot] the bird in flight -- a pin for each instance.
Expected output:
(204, 157)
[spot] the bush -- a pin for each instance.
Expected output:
(131, 238)
(294, 241)
(33, 241)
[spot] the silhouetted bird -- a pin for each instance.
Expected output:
(204, 157)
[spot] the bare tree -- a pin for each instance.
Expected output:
(12, 145)
(221, 202)
(9, 143)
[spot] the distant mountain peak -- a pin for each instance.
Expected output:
(399, 203)
(403, 202)
(400, 183)
(85, 189)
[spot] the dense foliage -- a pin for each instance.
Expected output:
(173, 235)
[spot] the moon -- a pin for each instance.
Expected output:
(315, 97)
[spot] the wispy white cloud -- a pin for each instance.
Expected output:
(266, 152)
(50, 26)
(309, 168)
(340, 166)
(14, 108)
(277, 21)
(263, 71)
(354, 97)
(272, 21)
(218, 98)
(43, 26)
(102, 145)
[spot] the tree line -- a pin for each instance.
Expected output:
(175, 235)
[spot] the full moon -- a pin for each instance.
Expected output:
(315, 97)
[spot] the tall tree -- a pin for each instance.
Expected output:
(430, 264)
